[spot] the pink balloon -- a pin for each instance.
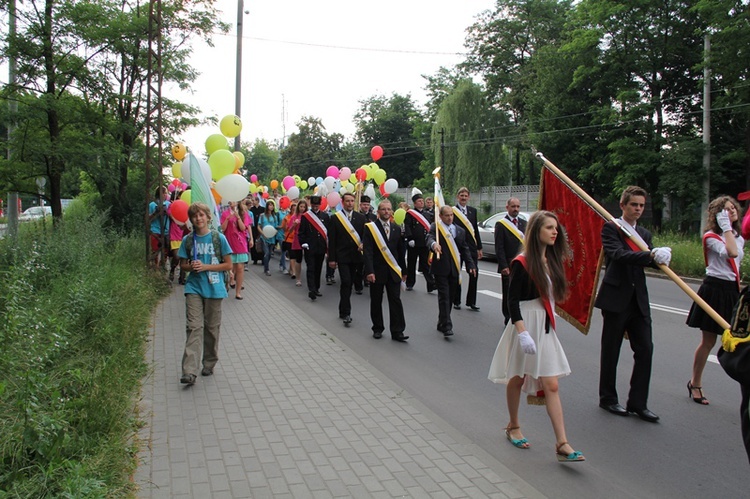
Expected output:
(345, 173)
(184, 186)
(253, 178)
(170, 187)
(333, 199)
(332, 171)
(288, 182)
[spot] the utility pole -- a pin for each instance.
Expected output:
(283, 121)
(238, 69)
(706, 129)
(442, 148)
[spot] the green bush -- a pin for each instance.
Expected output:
(75, 303)
(687, 254)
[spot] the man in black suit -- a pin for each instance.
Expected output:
(364, 209)
(623, 299)
(509, 232)
(465, 216)
(416, 228)
(384, 263)
(346, 229)
(448, 241)
(313, 237)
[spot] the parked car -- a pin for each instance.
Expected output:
(487, 232)
(35, 213)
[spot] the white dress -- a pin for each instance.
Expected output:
(510, 361)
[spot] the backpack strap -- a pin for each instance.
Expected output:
(217, 244)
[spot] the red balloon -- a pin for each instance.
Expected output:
(376, 153)
(323, 203)
(284, 202)
(179, 210)
(382, 190)
(361, 174)
(176, 182)
(265, 195)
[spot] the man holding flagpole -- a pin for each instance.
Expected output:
(416, 228)
(465, 217)
(509, 232)
(448, 242)
(345, 250)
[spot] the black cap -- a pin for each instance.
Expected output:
(314, 199)
(415, 197)
(364, 199)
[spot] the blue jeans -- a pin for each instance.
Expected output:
(267, 252)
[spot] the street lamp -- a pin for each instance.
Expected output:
(238, 81)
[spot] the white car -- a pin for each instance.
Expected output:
(35, 213)
(487, 232)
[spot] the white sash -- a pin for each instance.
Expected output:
(318, 223)
(630, 230)
(512, 228)
(420, 218)
(383, 247)
(465, 222)
(349, 228)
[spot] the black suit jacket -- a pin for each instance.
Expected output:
(374, 261)
(415, 231)
(624, 275)
(341, 246)
(507, 245)
(471, 214)
(309, 235)
(444, 265)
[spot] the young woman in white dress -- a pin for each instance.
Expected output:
(529, 357)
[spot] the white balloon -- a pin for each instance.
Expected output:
(232, 187)
(322, 190)
(329, 181)
(370, 192)
(269, 231)
(350, 188)
(293, 192)
(391, 185)
(311, 181)
(343, 191)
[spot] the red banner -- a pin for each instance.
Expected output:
(583, 225)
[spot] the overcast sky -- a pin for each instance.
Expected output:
(324, 57)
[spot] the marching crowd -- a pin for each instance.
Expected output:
(370, 249)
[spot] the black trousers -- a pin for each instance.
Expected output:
(505, 284)
(412, 256)
(471, 293)
(346, 275)
(745, 417)
(447, 288)
(639, 333)
(314, 263)
(357, 277)
(395, 308)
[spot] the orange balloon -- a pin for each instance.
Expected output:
(179, 151)
(274, 184)
(217, 198)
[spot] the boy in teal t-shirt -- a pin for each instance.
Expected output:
(204, 291)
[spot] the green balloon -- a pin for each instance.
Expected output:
(215, 143)
(379, 176)
(221, 163)
(399, 216)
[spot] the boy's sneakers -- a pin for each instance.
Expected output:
(188, 379)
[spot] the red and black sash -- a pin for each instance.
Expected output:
(545, 299)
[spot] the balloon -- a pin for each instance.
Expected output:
(323, 203)
(175, 182)
(332, 171)
(296, 178)
(318, 180)
(399, 216)
(329, 181)
(391, 185)
(374, 167)
(323, 190)
(184, 186)
(265, 195)
(221, 163)
(334, 198)
(216, 142)
(253, 178)
(179, 151)
(186, 196)
(284, 202)
(269, 231)
(376, 153)
(311, 181)
(293, 192)
(379, 176)
(370, 191)
(216, 195)
(288, 182)
(233, 187)
(345, 173)
(253, 188)
(303, 184)
(361, 174)
(239, 159)
(370, 172)
(170, 187)
(382, 191)
(231, 126)
(179, 210)
(177, 169)
(274, 184)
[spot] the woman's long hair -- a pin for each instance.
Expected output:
(300, 204)
(270, 204)
(714, 207)
(556, 255)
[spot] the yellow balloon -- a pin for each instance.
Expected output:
(179, 151)
(399, 216)
(239, 159)
(221, 163)
(345, 184)
(379, 176)
(302, 185)
(216, 142)
(374, 166)
(177, 169)
(186, 196)
(253, 188)
(370, 172)
(230, 125)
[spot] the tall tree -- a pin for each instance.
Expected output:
(262, 160)
(311, 149)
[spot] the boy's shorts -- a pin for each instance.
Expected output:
(155, 242)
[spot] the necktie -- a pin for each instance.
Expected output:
(349, 215)
(387, 228)
(452, 231)
(515, 221)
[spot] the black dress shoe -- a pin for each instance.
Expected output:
(474, 308)
(645, 415)
(457, 307)
(348, 319)
(401, 338)
(448, 332)
(377, 335)
(318, 293)
(358, 291)
(312, 295)
(614, 409)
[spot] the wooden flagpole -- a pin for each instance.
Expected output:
(606, 215)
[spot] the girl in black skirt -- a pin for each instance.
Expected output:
(723, 251)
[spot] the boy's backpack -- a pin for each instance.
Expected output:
(734, 356)
(216, 240)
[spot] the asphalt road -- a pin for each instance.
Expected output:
(695, 451)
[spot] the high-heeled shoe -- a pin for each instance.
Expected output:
(573, 457)
(698, 400)
(520, 443)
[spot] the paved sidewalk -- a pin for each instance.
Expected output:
(291, 412)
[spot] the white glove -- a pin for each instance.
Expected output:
(527, 343)
(662, 256)
(306, 246)
(411, 243)
(722, 218)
